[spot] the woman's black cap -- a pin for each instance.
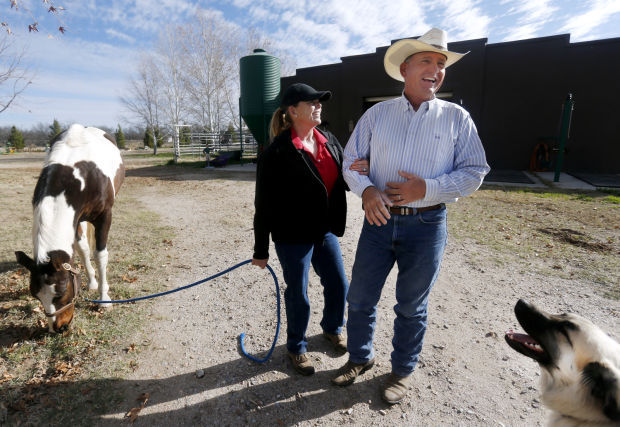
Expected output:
(302, 92)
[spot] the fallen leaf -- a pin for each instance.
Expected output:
(18, 274)
(62, 367)
(129, 279)
(6, 377)
(143, 398)
(132, 414)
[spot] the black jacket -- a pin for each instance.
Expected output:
(291, 200)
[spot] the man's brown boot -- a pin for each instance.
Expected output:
(301, 363)
(338, 340)
(395, 388)
(350, 371)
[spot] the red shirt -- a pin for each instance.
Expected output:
(323, 161)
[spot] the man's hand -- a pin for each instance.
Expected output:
(374, 202)
(262, 263)
(401, 193)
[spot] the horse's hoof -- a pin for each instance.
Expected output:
(106, 306)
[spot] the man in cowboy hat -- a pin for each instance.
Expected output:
(424, 153)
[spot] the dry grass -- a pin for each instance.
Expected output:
(46, 377)
(567, 234)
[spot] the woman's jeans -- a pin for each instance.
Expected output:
(326, 259)
(416, 243)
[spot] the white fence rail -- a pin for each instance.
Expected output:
(198, 144)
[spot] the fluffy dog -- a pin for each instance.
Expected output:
(580, 366)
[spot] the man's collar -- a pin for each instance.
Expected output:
(424, 107)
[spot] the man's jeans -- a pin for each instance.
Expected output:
(416, 243)
(326, 259)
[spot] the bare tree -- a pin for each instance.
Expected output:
(193, 75)
(144, 98)
(50, 5)
(170, 66)
(211, 50)
(256, 39)
(14, 78)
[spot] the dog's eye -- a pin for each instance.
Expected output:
(568, 325)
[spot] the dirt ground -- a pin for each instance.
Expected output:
(192, 368)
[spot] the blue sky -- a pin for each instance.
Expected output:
(79, 76)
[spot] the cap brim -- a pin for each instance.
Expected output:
(402, 49)
(321, 95)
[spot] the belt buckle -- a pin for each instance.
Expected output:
(402, 210)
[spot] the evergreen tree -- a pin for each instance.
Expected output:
(185, 134)
(159, 137)
(120, 138)
(54, 131)
(148, 138)
(16, 139)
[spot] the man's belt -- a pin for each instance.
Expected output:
(406, 210)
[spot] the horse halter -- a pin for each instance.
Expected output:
(76, 289)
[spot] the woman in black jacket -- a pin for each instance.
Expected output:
(300, 200)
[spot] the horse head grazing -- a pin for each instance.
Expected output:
(55, 284)
(74, 194)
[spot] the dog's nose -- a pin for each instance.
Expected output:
(522, 304)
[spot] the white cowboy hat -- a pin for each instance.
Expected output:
(434, 40)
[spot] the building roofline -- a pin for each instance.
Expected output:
(484, 40)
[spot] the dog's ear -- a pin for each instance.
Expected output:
(603, 385)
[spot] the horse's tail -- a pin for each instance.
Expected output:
(90, 235)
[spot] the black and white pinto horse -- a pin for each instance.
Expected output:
(81, 176)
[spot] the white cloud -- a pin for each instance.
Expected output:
(136, 15)
(531, 18)
(463, 19)
(75, 81)
(586, 25)
(321, 32)
(118, 35)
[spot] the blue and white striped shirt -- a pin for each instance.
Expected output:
(439, 143)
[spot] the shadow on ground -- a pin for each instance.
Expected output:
(189, 173)
(230, 393)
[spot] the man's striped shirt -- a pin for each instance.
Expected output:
(439, 143)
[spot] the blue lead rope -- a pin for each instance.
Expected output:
(228, 270)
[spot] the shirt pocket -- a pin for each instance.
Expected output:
(441, 151)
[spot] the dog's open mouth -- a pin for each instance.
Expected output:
(526, 345)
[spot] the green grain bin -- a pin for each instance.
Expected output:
(260, 93)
